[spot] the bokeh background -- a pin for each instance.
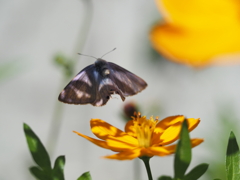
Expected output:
(32, 33)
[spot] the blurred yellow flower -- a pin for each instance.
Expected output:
(198, 33)
(142, 136)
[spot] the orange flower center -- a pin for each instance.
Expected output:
(144, 128)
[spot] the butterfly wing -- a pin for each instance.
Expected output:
(105, 89)
(80, 90)
(127, 82)
(94, 86)
(89, 86)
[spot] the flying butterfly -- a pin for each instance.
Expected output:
(97, 82)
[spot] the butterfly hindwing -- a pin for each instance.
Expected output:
(128, 82)
(105, 87)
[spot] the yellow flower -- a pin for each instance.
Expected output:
(142, 136)
(198, 33)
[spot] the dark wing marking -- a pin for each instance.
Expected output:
(80, 90)
(127, 82)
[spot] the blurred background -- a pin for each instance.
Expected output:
(34, 33)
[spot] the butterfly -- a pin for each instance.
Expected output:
(97, 82)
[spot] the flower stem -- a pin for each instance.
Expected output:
(146, 163)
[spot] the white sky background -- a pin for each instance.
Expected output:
(32, 32)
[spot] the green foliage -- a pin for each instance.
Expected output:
(38, 151)
(165, 178)
(196, 172)
(58, 168)
(183, 153)
(183, 158)
(227, 119)
(39, 173)
(39, 154)
(65, 63)
(85, 176)
(232, 159)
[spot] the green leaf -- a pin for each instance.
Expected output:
(232, 159)
(58, 173)
(196, 172)
(37, 149)
(183, 153)
(165, 178)
(65, 63)
(39, 174)
(85, 176)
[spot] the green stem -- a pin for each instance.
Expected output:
(58, 110)
(55, 126)
(84, 30)
(146, 160)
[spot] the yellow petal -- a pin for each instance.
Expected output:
(159, 151)
(168, 121)
(169, 129)
(103, 130)
(102, 144)
(177, 12)
(126, 155)
(194, 142)
(163, 125)
(192, 123)
(171, 120)
(171, 134)
(129, 128)
(119, 144)
(115, 138)
(198, 33)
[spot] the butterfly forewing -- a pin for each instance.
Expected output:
(128, 82)
(81, 89)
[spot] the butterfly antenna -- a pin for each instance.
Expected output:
(87, 55)
(108, 52)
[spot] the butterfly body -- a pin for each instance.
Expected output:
(97, 82)
(102, 67)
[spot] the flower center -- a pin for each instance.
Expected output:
(144, 128)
